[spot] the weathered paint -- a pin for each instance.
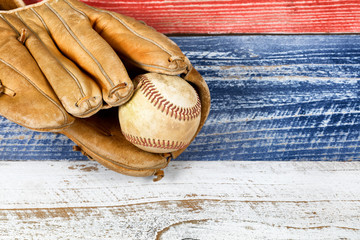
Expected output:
(273, 98)
(195, 200)
(279, 97)
(236, 16)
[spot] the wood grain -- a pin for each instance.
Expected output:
(235, 16)
(273, 98)
(196, 200)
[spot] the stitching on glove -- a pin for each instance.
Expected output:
(130, 29)
(67, 27)
(77, 10)
(8, 23)
(174, 71)
(47, 29)
(175, 58)
(139, 35)
(80, 101)
(37, 88)
(171, 58)
(41, 19)
(76, 80)
(117, 87)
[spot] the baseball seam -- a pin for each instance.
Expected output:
(154, 143)
(160, 102)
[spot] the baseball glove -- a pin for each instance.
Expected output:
(64, 65)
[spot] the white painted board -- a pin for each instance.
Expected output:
(195, 200)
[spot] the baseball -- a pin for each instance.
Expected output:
(163, 115)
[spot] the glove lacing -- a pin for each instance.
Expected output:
(117, 87)
(6, 91)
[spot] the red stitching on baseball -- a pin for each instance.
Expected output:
(155, 143)
(180, 113)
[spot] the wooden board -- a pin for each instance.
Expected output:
(195, 200)
(273, 98)
(235, 16)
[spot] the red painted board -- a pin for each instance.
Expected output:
(251, 16)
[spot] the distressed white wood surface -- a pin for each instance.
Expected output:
(195, 200)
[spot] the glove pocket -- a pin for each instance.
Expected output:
(100, 138)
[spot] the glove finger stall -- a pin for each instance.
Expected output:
(32, 104)
(135, 42)
(75, 38)
(79, 94)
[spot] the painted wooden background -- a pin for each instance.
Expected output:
(240, 16)
(273, 98)
(249, 200)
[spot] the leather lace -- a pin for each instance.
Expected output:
(22, 37)
(6, 91)
(2, 88)
(78, 103)
(117, 87)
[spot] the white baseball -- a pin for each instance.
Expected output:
(163, 115)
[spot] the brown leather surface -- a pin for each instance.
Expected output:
(100, 137)
(62, 62)
(11, 4)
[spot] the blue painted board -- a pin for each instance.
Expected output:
(274, 97)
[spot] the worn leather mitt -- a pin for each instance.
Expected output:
(62, 63)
